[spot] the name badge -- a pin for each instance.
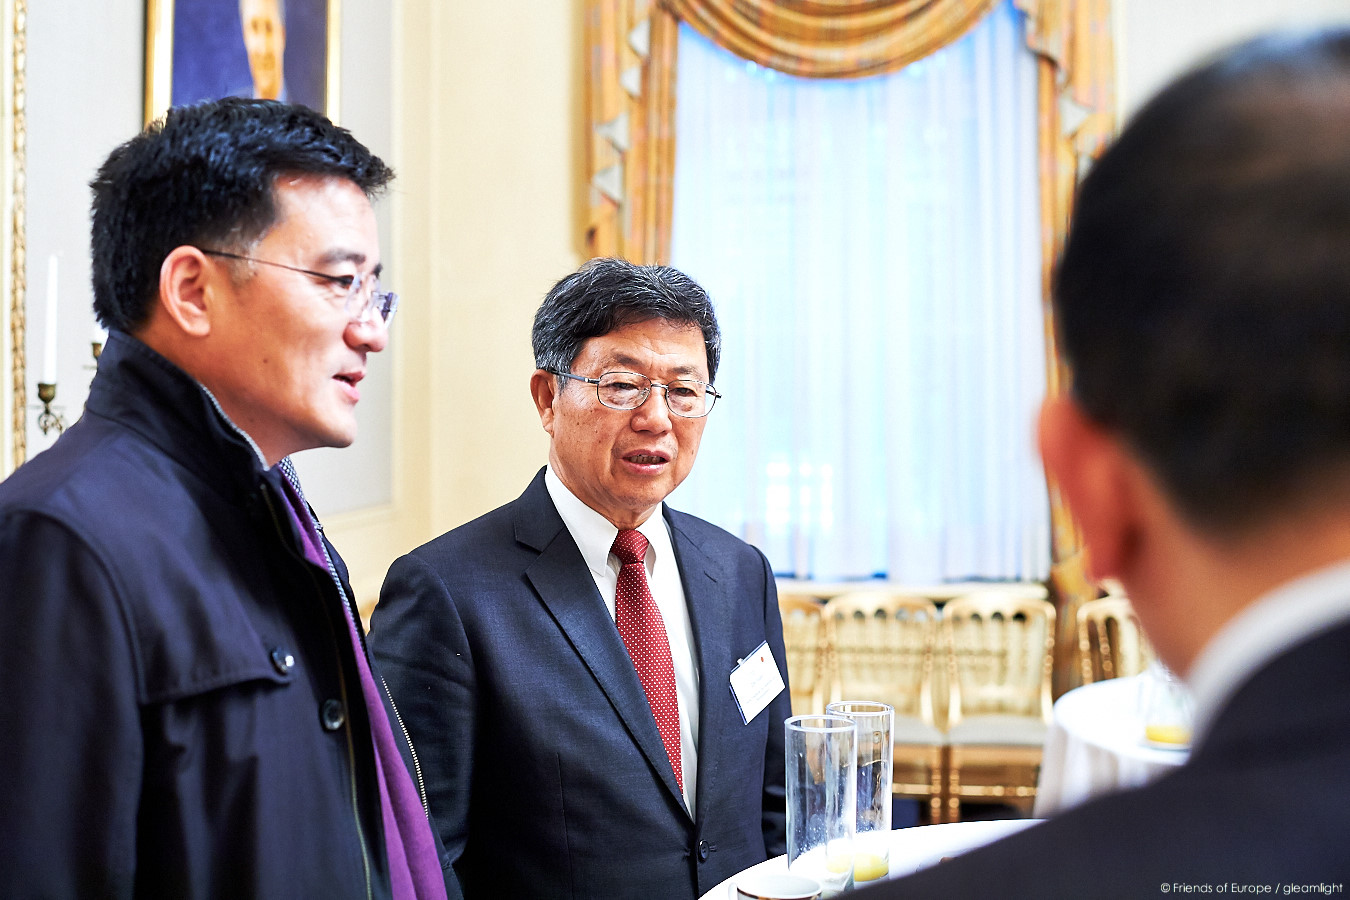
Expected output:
(755, 681)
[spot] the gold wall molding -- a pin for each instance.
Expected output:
(13, 165)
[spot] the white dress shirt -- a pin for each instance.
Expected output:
(1288, 615)
(594, 535)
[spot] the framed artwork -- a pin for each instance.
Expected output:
(207, 49)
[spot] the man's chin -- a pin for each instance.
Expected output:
(335, 438)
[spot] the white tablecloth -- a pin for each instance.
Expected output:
(912, 849)
(1095, 745)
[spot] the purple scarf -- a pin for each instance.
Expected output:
(414, 869)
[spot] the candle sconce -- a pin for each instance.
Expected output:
(49, 418)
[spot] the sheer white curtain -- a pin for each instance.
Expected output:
(873, 251)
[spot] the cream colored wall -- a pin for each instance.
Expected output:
(488, 206)
(1157, 39)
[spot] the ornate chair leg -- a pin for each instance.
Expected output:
(937, 800)
(953, 786)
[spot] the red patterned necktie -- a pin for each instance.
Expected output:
(644, 634)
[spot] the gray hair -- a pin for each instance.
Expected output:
(605, 294)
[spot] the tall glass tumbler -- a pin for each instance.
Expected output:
(822, 765)
(875, 742)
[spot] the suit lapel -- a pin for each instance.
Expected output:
(565, 586)
(710, 617)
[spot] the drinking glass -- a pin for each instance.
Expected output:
(872, 839)
(822, 765)
(1167, 708)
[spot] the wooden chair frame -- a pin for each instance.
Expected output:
(819, 666)
(1014, 766)
(919, 768)
(1101, 625)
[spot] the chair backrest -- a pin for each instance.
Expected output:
(807, 651)
(1111, 644)
(1000, 650)
(882, 649)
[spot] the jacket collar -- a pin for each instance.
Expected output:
(141, 390)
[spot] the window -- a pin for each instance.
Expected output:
(873, 250)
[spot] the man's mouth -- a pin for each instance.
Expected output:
(349, 381)
(646, 459)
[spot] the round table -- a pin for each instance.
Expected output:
(1095, 745)
(912, 849)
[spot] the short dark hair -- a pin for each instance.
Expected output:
(204, 175)
(605, 294)
(1203, 297)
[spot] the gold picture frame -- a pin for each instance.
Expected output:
(13, 234)
(213, 69)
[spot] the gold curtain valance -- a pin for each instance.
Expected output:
(832, 38)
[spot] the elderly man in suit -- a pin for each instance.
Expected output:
(1204, 306)
(565, 663)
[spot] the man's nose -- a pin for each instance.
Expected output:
(654, 411)
(371, 333)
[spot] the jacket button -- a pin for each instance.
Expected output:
(332, 715)
(282, 661)
(703, 850)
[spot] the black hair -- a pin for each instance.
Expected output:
(1203, 297)
(204, 175)
(605, 294)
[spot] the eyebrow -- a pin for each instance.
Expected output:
(623, 359)
(351, 256)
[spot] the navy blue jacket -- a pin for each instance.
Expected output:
(545, 771)
(182, 714)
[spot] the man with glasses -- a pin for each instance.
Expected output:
(595, 682)
(189, 706)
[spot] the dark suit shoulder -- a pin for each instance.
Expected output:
(508, 534)
(710, 538)
(490, 528)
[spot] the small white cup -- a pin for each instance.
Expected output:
(772, 886)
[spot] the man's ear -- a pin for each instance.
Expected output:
(186, 283)
(1100, 481)
(544, 388)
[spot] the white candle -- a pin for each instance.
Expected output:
(49, 335)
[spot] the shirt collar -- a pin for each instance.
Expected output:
(594, 534)
(1274, 623)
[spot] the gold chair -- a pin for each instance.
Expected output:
(804, 637)
(1111, 644)
(882, 648)
(999, 648)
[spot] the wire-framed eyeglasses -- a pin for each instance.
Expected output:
(685, 397)
(364, 301)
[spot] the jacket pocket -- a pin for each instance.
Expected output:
(193, 642)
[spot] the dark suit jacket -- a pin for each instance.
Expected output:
(1263, 800)
(543, 765)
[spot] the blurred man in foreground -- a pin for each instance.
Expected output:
(1203, 303)
(189, 709)
(568, 664)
